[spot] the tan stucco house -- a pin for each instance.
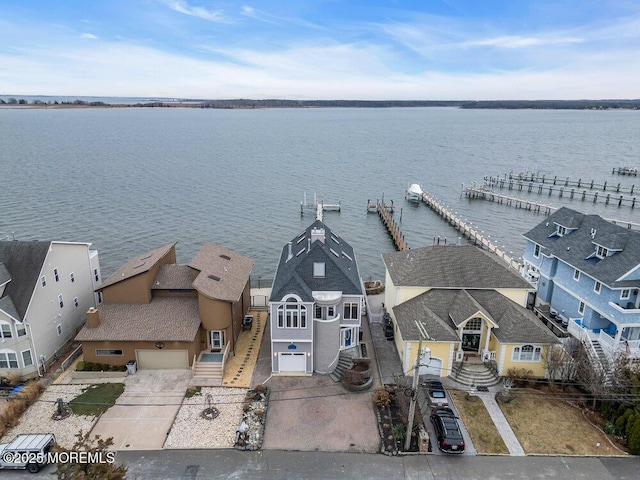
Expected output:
(462, 303)
(167, 315)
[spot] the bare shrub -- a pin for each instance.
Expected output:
(381, 397)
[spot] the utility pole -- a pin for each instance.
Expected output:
(414, 397)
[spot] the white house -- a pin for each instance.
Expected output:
(45, 290)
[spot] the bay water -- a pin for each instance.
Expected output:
(131, 179)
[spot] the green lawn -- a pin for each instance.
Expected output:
(96, 399)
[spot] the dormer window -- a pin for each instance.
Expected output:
(560, 230)
(602, 252)
(319, 270)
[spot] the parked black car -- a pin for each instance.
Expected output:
(447, 430)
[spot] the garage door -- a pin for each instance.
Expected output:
(430, 365)
(293, 362)
(162, 359)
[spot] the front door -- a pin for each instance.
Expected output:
(347, 337)
(216, 338)
(470, 342)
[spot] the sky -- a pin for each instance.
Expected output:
(322, 49)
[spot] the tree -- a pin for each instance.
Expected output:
(559, 363)
(101, 467)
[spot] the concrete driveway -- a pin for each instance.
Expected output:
(144, 413)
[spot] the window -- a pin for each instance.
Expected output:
(55, 275)
(43, 281)
(61, 300)
(601, 252)
(75, 302)
(5, 330)
(59, 329)
(581, 308)
(99, 298)
(318, 269)
(561, 230)
(72, 276)
(576, 274)
(103, 352)
(473, 324)
(526, 353)
(8, 360)
(597, 287)
(351, 311)
(625, 294)
(292, 315)
(27, 359)
(536, 251)
(21, 329)
(96, 275)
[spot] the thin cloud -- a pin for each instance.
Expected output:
(89, 36)
(266, 17)
(514, 41)
(181, 6)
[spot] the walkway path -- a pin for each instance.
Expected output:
(510, 440)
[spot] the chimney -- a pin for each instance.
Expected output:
(93, 318)
(317, 234)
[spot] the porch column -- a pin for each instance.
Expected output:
(486, 340)
(618, 334)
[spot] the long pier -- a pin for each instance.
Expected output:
(608, 198)
(385, 212)
(484, 194)
(470, 232)
(526, 178)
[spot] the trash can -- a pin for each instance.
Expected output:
(131, 367)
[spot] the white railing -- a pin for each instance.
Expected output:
(224, 356)
(487, 355)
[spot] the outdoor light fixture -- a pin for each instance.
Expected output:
(160, 345)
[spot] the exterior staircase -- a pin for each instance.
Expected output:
(344, 362)
(209, 371)
(474, 374)
(602, 362)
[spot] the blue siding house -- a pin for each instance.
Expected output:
(587, 272)
(316, 303)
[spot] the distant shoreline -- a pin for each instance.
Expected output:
(16, 102)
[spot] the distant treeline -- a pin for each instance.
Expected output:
(275, 103)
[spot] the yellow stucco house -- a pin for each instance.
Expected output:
(464, 305)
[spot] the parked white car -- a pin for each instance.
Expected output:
(26, 451)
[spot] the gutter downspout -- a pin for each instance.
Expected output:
(33, 344)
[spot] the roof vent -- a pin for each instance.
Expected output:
(139, 265)
(213, 277)
(144, 258)
(226, 257)
(593, 233)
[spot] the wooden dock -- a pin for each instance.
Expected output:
(385, 214)
(608, 198)
(470, 232)
(518, 181)
(628, 171)
(318, 206)
(485, 194)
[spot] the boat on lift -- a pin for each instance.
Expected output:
(414, 193)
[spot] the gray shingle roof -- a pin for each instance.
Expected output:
(167, 319)
(450, 267)
(7, 306)
(140, 264)
(23, 261)
(516, 324)
(294, 274)
(223, 272)
(5, 276)
(576, 247)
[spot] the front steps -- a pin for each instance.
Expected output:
(344, 362)
(211, 371)
(471, 374)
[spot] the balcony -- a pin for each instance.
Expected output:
(628, 308)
